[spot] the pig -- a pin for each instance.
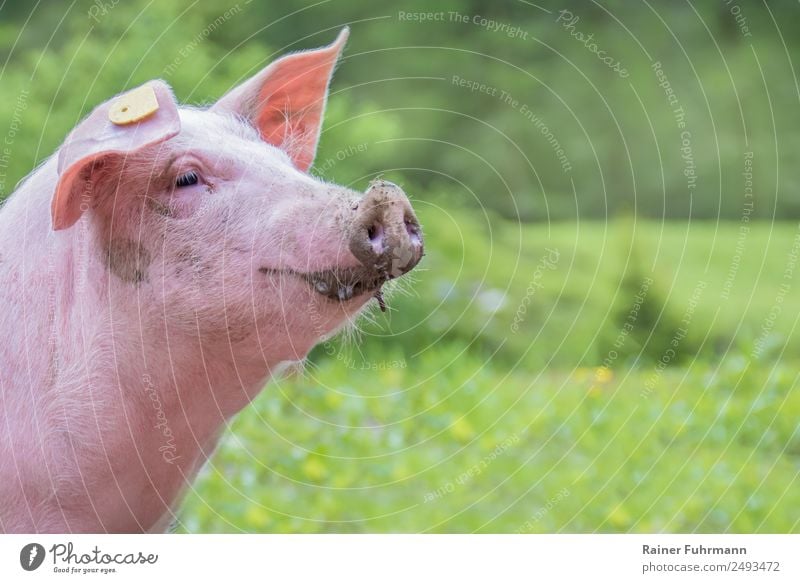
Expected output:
(155, 272)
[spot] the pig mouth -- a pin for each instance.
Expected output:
(339, 284)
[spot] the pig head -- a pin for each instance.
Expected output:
(159, 268)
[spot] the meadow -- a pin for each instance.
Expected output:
(559, 427)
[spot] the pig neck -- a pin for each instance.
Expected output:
(179, 387)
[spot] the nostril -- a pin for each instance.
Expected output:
(413, 231)
(375, 234)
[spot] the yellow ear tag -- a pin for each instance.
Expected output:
(133, 106)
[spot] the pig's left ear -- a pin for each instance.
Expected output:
(286, 100)
(116, 129)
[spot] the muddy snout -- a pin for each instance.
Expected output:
(385, 234)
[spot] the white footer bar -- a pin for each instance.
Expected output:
(379, 558)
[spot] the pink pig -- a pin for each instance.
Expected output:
(154, 274)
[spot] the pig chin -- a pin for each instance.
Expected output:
(348, 287)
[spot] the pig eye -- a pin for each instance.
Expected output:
(187, 179)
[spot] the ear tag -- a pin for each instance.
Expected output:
(133, 106)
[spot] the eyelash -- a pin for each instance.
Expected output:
(189, 179)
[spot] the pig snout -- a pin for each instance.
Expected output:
(385, 235)
(382, 234)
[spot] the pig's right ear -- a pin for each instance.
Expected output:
(120, 127)
(286, 100)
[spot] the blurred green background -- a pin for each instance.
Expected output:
(602, 334)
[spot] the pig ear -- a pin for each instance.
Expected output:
(286, 100)
(143, 117)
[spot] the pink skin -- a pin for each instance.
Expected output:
(140, 316)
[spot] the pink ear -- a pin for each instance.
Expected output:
(286, 100)
(95, 139)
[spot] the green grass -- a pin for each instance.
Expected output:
(709, 449)
(444, 420)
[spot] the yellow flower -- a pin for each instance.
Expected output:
(619, 517)
(603, 375)
(462, 429)
(314, 469)
(256, 517)
(333, 398)
(400, 472)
